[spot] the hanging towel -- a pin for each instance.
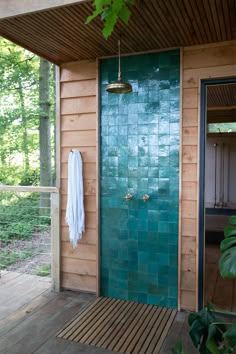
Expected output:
(75, 201)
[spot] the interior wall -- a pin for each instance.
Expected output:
(78, 131)
(220, 171)
(200, 62)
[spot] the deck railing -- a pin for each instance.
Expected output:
(29, 231)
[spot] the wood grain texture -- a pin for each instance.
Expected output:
(77, 105)
(88, 153)
(61, 35)
(190, 117)
(89, 186)
(78, 88)
(82, 121)
(89, 237)
(78, 131)
(121, 326)
(77, 71)
(78, 282)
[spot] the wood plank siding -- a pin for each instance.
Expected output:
(78, 131)
(212, 61)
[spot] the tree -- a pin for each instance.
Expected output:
(18, 113)
(44, 128)
(110, 12)
(20, 117)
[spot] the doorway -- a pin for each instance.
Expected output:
(217, 189)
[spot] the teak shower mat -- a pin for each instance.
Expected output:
(121, 326)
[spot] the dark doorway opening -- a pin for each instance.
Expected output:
(217, 188)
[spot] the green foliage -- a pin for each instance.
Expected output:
(203, 331)
(209, 334)
(20, 216)
(44, 270)
(110, 11)
(178, 349)
(19, 114)
(227, 262)
(8, 257)
(17, 175)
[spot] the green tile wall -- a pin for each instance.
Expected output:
(139, 154)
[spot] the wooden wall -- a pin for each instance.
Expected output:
(209, 61)
(78, 131)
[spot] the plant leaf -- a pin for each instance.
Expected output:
(232, 220)
(196, 331)
(178, 349)
(229, 231)
(230, 335)
(211, 342)
(227, 243)
(227, 263)
(92, 17)
(124, 14)
(109, 25)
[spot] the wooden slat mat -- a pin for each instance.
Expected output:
(121, 326)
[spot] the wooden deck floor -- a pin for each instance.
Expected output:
(31, 315)
(221, 292)
(121, 326)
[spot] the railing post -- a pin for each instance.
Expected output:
(55, 241)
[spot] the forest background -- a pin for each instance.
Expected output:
(27, 149)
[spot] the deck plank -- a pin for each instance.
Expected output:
(34, 326)
(121, 326)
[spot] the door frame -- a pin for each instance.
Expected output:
(201, 210)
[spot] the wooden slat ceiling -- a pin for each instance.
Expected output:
(221, 103)
(60, 35)
(221, 96)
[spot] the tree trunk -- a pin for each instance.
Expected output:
(25, 147)
(44, 130)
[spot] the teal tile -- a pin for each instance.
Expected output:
(139, 154)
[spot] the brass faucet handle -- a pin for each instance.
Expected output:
(146, 197)
(128, 196)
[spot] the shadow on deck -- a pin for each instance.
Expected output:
(31, 315)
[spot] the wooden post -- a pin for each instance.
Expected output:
(55, 241)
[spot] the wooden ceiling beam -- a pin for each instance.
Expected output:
(12, 8)
(221, 108)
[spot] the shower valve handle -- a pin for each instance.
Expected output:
(146, 197)
(128, 196)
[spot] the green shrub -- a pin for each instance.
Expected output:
(20, 216)
(8, 257)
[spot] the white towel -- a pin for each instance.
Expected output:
(75, 202)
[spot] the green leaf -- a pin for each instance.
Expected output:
(211, 342)
(229, 231)
(227, 243)
(124, 14)
(117, 5)
(99, 4)
(109, 25)
(230, 335)
(110, 12)
(196, 331)
(227, 263)
(192, 317)
(92, 17)
(106, 13)
(178, 349)
(232, 220)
